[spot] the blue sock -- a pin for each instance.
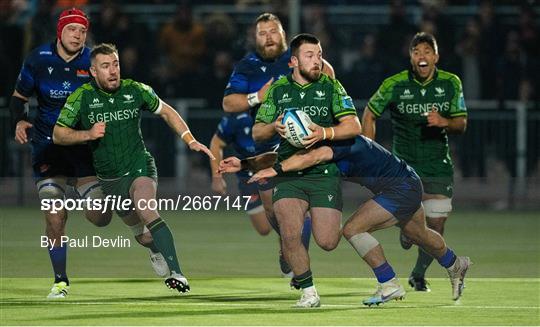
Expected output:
(448, 259)
(384, 272)
(58, 260)
(306, 232)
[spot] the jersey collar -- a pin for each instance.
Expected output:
(412, 78)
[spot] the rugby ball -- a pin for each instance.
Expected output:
(296, 126)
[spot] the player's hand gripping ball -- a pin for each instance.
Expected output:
(296, 127)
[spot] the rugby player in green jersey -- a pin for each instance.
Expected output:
(107, 113)
(426, 104)
(317, 188)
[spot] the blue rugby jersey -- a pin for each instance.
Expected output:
(369, 164)
(250, 74)
(235, 130)
(45, 74)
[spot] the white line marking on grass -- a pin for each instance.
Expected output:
(279, 304)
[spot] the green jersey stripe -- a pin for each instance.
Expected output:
(373, 111)
(346, 113)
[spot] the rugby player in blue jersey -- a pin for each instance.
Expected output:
(235, 130)
(397, 200)
(52, 72)
(251, 77)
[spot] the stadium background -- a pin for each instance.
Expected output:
(492, 45)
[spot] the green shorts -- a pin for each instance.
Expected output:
(318, 191)
(438, 185)
(436, 178)
(144, 166)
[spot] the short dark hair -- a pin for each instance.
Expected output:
(103, 48)
(424, 37)
(300, 39)
(267, 17)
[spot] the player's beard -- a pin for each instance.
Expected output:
(271, 54)
(310, 75)
(105, 85)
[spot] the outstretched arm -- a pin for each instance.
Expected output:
(179, 126)
(256, 163)
(297, 162)
(308, 159)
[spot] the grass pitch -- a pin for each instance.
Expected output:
(233, 274)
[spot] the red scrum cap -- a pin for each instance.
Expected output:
(70, 16)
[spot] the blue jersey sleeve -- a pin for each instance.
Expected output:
(25, 80)
(239, 81)
(225, 130)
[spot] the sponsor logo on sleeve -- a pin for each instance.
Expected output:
(82, 73)
(347, 103)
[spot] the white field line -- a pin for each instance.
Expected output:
(277, 304)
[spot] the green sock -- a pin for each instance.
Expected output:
(422, 263)
(164, 243)
(152, 246)
(305, 280)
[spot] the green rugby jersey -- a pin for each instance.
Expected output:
(115, 153)
(325, 101)
(409, 101)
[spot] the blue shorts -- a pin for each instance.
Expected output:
(250, 190)
(266, 184)
(402, 199)
(49, 160)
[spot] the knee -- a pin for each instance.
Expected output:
(328, 245)
(264, 230)
(328, 242)
(92, 190)
(349, 230)
(437, 208)
(51, 188)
